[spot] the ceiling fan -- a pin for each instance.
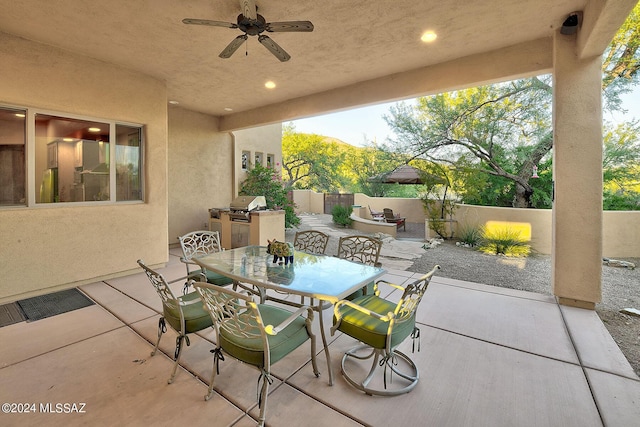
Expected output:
(252, 24)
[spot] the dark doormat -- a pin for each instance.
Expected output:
(44, 306)
(10, 314)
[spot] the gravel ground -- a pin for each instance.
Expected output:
(620, 286)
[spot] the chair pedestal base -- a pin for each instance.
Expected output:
(380, 379)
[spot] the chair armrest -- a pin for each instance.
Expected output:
(338, 314)
(187, 261)
(273, 330)
(393, 285)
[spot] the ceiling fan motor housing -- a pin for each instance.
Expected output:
(250, 26)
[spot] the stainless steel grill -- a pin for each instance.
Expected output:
(242, 206)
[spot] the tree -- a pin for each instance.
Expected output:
(265, 181)
(504, 130)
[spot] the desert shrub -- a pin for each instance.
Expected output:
(470, 235)
(504, 240)
(342, 215)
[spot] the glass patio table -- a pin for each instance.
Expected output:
(322, 278)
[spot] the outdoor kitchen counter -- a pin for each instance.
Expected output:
(260, 227)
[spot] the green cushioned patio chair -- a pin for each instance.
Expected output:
(184, 314)
(256, 334)
(198, 243)
(362, 249)
(311, 241)
(381, 326)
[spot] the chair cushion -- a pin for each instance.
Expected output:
(250, 349)
(370, 330)
(195, 316)
(214, 278)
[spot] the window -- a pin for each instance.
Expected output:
(245, 160)
(258, 158)
(269, 160)
(74, 159)
(12, 157)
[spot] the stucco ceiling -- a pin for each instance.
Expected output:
(353, 41)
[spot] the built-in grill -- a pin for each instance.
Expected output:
(242, 206)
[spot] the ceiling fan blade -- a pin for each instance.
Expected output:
(273, 47)
(233, 46)
(289, 26)
(249, 10)
(208, 22)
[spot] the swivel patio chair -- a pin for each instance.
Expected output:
(362, 249)
(184, 314)
(256, 334)
(311, 241)
(198, 243)
(381, 326)
(389, 216)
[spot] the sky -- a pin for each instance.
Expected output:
(367, 124)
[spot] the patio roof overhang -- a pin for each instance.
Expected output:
(359, 53)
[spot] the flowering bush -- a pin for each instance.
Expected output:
(265, 181)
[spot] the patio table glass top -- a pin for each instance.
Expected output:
(318, 276)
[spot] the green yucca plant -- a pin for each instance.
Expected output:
(504, 240)
(470, 235)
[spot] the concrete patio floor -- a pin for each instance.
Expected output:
(489, 357)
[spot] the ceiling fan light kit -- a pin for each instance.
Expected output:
(252, 24)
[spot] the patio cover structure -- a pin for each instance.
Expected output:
(127, 60)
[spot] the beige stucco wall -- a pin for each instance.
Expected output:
(200, 161)
(45, 248)
(264, 139)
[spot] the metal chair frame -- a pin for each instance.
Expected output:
(362, 249)
(195, 243)
(311, 241)
(388, 356)
(240, 317)
(170, 301)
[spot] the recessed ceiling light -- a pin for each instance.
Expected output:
(270, 85)
(173, 102)
(428, 36)
(94, 129)
(21, 115)
(228, 109)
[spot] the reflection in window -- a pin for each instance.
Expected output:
(12, 157)
(72, 160)
(128, 163)
(258, 158)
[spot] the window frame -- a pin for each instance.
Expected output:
(31, 185)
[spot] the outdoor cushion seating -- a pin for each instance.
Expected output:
(256, 334)
(389, 216)
(362, 249)
(381, 326)
(198, 243)
(311, 241)
(376, 215)
(184, 314)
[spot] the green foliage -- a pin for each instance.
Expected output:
(265, 181)
(505, 241)
(342, 215)
(470, 235)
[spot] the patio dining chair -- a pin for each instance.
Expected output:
(311, 241)
(362, 249)
(257, 334)
(197, 243)
(389, 216)
(381, 326)
(184, 314)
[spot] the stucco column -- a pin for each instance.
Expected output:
(577, 170)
